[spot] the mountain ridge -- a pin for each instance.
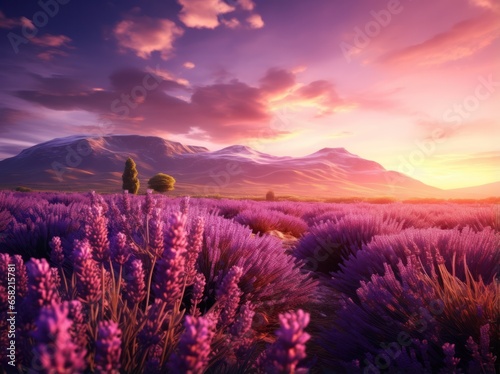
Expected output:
(82, 162)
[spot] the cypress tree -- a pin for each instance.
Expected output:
(129, 177)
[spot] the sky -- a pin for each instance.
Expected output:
(411, 84)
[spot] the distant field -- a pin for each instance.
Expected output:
(351, 285)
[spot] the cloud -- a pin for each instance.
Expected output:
(189, 65)
(50, 54)
(231, 111)
(145, 35)
(487, 4)
(462, 40)
(11, 23)
(203, 13)
(231, 23)
(430, 129)
(49, 40)
(320, 95)
(255, 21)
(277, 81)
(246, 4)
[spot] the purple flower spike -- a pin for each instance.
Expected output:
(149, 203)
(78, 329)
(21, 276)
(228, 295)
(194, 346)
(243, 323)
(57, 254)
(120, 251)
(150, 333)
(290, 347)
(169, 277)
(87, 273)
(194, 248)
(450, 360)
(136, 287)
(108, 348)
(185, 205)
(156, 234)
(96, 232)
(41, 285)
(54, 349)
(197, 295)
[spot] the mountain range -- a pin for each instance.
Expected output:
(82, 163)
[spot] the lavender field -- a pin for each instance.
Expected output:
(151, 284)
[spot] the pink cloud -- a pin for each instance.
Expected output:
(443, 130)
(10, 23)
(50, 54)
(203, 13)
(488, 4)
(222, 112)
(277, 81)
(255, 21)
(145, 35)
(246, 4)
(320, 94)
(462, 40)
(231, 23)
(49, 40)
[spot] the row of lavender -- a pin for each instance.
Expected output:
(152, 284)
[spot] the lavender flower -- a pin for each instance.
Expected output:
(228, 295)
(193, 352)
(4, 264)
(243, 323)
(125, 202)
(78, 328)
(54, 349)
(149, 203)
(184, 206)
(194, 248)
(153, 362)
(169, 277)
(57, 253)
(150, 333)
(21, 276)
(96, 232)
(120, 251)
(450, 360)
(290, 348)
(197, 295)
(108, 348)
(241, 331)
(136, 287)
(156, 233)
(41, 285)
(87, 273)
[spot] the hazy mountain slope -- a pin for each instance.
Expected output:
(83, 163)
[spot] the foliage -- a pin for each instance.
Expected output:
(161, 182)
(129, 177)
(270, 196)
(23, 189)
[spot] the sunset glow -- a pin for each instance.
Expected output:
(414, 86)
